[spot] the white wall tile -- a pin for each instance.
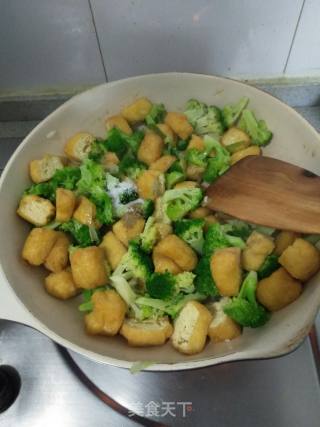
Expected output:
(305, 54)
(47, 44)
(248, 37)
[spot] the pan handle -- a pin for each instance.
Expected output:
(11, 307)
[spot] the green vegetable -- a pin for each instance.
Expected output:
(148, 237)
(128, 196)
(182, 144)
(66, 177)
(232, 112)
(82, 235)
(166, 285)
(211, 122)
(97, 150)
(177, 203)
(217, 238)
(156, 115)
(270, 265)
(195, 110)
(93, 185)
(204, 282)
(191, 231)
(218, 164)
(237, 228)
(244, 309)
(196, 157)
(87, 304)
(137, 367)
(256, 129)
(131, 167)
(119, 142)
(174, 178)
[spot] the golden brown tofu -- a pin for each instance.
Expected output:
(150, 184)
(167, 132)
(88, 267)
(196, 142)
(199, 213)
(283, 240)
(180, 252)
(191, 328)
(128, 227)
(65, 204)
(38, 245)
(163, 163)
(113, 248)
(209, 220)
(301, 259)
(61, 285)
(163, 230)
(110, 162)
(195, 172)
(178, 122)
(58, 258)
(222, 327)
(78, 146)
(85, 212)
(235, 139)
(107, 315)
(36, 210)
(254, 150)
(163, 264)
(118, 122)
(278, 290)
(225, 265)
(186, 184)
(43, 169)
(137, 111)
(146, 333)
(150, 148)
(259, 246)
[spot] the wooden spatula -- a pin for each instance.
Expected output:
(269, 192)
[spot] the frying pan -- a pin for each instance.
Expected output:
(22, 295)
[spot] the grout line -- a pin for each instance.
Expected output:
(98, 40)
(294, 37)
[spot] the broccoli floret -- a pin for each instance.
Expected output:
(256, 129)
(237, 228)
(156, 115)
(216, 238)
(166, 285)
(191, 231)
(97, 150)
(177, 203)
(128, 196)
(204, 282)
(270, 265)
(119, 142)
(195, 110)
(182, 144)
(211, 122)
(244, 309)
(196, 157)
(82, 235)
(231, 113)
(185, 282)
(148, 237)
(130, 167)
(87, 304)
(174, 178)
(218, 164)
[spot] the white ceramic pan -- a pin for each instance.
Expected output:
(22, 296)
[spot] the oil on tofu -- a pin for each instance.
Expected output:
(222, 327)
(107, 315)
(191, 328)
(146, 333)
(36, 210)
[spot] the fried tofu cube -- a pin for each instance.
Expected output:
(146, 333)
(191, 328)
(199, 213)
(118, 122)
(113, 248)
(167, 132)
(88, 267)
(58, 258)
(178, 122)
(235, 139)
(163, 230)
(36, 210)
(225, 265)
(43, 169)
(278, 290)
(150, 184)
(253, 150)
(179, 251)
(110, 161)
(128, 227)
(196, 142)
(78, 146)
(61, 285)
(150, 148)
(85, 212)
(65, 204)
(195, 172)
(108, 313)
(137, 111)
(163, 163)
(301, 259)
(163, 264)
(259, 246)
(38, 245)
(186, 184)
(283, 240)
(222, 327)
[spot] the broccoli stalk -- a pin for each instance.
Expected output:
(231, 113)
(149, 236)
(177, 203)
(244, 309)
(156, 115)
(218, 164)
(191, 231)
(256, 129)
